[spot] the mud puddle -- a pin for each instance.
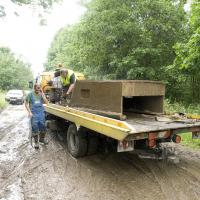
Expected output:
(51, 173)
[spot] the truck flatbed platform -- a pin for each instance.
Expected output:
(143, 123)
(137, 126)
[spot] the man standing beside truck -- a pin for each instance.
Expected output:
(34, 105)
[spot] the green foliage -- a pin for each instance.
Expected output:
(186, 139)
(174, 107)
(57, 52)
(14, 73)
(187, 61)
(146, 39)
(195, 16)
(121, 39)
(2, 100)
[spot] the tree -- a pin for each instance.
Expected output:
(14, 73)
(119, 39)
(57, 52)
(187, 61)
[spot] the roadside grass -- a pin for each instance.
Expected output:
(171, 108)
(186, 140)
(3, 103)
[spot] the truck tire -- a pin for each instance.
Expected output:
(93, 142)
(76, 142)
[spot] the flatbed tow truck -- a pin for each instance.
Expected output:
(85, 129)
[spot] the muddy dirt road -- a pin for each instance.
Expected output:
(51, 173)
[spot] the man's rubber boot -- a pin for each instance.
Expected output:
(36, 139)
(43, 139)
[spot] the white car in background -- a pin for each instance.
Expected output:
(15, 96)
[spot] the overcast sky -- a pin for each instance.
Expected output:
(26, 37)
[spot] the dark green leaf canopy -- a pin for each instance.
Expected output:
(119, 39)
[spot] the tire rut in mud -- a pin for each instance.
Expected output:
(51, 173)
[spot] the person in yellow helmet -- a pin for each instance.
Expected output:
(67, 79)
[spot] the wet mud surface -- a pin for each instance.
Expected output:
(51, 173)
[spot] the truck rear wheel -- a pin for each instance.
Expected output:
(76, 142)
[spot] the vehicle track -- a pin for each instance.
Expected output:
(51, 173)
